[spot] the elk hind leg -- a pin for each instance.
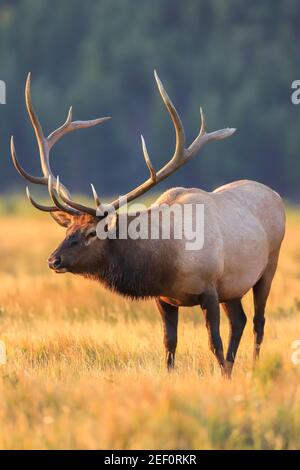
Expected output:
(237, 321)
(211, 310)
(261, 292)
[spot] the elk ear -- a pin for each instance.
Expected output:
(62, 218)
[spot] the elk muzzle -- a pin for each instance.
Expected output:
(55, 262)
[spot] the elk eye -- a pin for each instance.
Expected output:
(91, 234)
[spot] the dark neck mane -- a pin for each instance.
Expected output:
(130, 269)
(135, 268)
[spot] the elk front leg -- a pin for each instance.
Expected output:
(211, 309)
(169, 315)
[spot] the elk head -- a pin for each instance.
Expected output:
(82, 251)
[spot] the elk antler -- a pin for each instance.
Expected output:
(45, 145)
(181, 154)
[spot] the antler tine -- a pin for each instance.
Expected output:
(179, 130)
(70, 126)
(148, 161)
(203, 122)
(41, 140)
(20, 169)
(58, 204)
(96, 197)
(75, 205)
(40, 206)
(204, 137)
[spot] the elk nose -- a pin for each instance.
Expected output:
(54, 262)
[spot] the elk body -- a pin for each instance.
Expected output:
(244, 224)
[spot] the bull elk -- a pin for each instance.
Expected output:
(243, 230)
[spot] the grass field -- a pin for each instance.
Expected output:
(85, 367)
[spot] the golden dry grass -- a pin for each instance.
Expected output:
(85, 367)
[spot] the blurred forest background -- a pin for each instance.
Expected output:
(237, 59)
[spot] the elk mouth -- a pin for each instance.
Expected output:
(60, 270)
